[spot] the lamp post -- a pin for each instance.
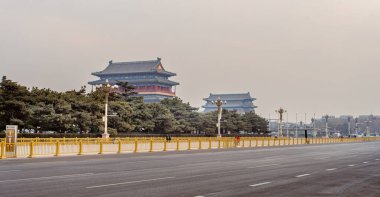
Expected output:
(296, 125)
(287, 125)
(313, 121)
(280, 112)
(349, 126)
(107, 88)
(326, 117)
(219, 104)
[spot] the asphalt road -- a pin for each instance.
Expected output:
(309, 170)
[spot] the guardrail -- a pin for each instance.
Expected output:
(86, 146)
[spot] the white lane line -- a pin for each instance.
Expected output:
(377, 159)
(351, 165)
(47, 177)
(130, 182)
(259, 184)
(331, 169)
(302, 175)
(10, 171)
(365, 162)
(263, 166)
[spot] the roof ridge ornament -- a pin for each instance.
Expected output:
(159, 59)
(110, 62)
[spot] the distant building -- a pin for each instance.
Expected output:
(242, 103)
(150, 78)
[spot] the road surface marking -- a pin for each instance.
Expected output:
(351, 165)
(10, 171)
(377, 159)
(124, 183)
(365, 162)
(302, 175)
(263, 166)
(47, 177)
(259, 184)
(199, 196)
(331, 169)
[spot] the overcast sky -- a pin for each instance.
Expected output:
(308, 56)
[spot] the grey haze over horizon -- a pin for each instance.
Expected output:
(317, 56)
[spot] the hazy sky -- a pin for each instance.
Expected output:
(308, 56)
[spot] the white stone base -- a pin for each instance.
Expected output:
(105, 135)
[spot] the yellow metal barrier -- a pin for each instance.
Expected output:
(80, 146)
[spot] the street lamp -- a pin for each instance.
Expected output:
(107, 88)
(280, 112)
(326, 117)
(219, 104)
(349, 126)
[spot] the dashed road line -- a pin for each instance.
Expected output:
(259, 184)
(351, 165)
(263, 166)
(302, 175)
(47, 177)
(10, 171)
(130, 182)
(331, 169)
(365, 162)
(377, 159)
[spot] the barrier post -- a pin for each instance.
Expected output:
(200, 144)
(218, 143)
(256, 142)
(151, 145)
(80, 147)
(119, 147)
(250, 143)
(209, 144)
(3, 150)
(177, 148)
(136, 145)
(165, 145)
(31, 150)
(57, 148)
(189, 147)
(100, 147)
(274, 142)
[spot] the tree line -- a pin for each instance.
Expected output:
(77, 111)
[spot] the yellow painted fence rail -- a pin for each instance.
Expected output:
(86, 146)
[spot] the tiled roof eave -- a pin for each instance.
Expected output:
(166, 73)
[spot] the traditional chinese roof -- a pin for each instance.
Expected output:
(242, 102)
(230, 97)
(156, 80)
(150, 66)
